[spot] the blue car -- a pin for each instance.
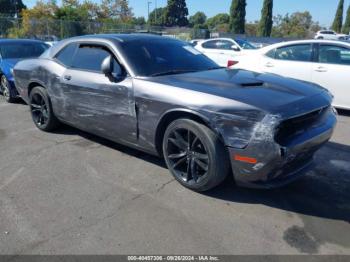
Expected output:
(11, 52)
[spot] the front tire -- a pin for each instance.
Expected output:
(6, 90)
(194, 155)
(41, 110)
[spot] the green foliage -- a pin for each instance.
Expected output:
(116, 9)
(265, 25)
(200, 31)
(215, 21)
(139, 20)
(11, 7)
(198, 18)
(251, 29)
(296, 25)
(338, 20)
(237, 16)
(346, 28)
(176, 13)
(157, 17)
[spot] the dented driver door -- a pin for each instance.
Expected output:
(99, 105)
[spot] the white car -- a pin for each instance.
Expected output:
(323, 62)
(329, 35)
(224, 50)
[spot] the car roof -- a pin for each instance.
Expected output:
(218, 38)
(311, 41)
(121, 38)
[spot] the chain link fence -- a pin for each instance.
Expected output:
(53, 30)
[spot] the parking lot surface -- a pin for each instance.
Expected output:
(73, 193)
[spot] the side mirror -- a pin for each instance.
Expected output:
(107, 66)
(235, 48)
(111, 69)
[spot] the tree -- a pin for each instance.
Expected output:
(125, 13)
(116, 9)
(252, 28)
(176, 13)
(265, 25)
(157, 17)
(139, 20)
(219, 19)
(200, 31)
(338, 20)
(237, 16)
(296, 25)
(346, 28)
(11, 7)
(198, 18)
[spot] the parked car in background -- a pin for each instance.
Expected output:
(224, 50)
(329, 35)
(162, 96)
(48, 39)
(12, 51)
(326, 63)
(194, 42)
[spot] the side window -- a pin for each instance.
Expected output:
(65, 56)
(89, 58)
(332, 54)
(210, 44)
(271, 53)
(295, 53)
(225, 45)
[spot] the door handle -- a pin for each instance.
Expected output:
(66, 77)
(269, 64)
(321, 69)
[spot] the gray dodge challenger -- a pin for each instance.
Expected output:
(163, 97)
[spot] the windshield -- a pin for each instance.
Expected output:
(152, 57)
(22, 50)
(245, 44)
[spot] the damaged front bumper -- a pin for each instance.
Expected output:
(268, 162)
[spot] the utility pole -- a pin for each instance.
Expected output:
(155, 19)
(15, 6)
(148, 4)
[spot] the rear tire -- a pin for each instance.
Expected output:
(41, 110)
(6, 90)
(194, 155)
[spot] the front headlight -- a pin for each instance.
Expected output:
(12, 72)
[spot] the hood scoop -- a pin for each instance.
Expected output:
(251, 83)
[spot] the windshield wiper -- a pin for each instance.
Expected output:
(174, 72)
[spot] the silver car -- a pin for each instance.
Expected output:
(165, 98)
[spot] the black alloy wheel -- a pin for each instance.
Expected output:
(5, 89)
(194, 155)
(187, 156)
(41, 110)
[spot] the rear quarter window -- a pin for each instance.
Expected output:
(66, 55)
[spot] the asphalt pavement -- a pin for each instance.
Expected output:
(69, 192)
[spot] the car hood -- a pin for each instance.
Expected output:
(267, 92)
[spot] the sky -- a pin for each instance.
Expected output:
(322, 11)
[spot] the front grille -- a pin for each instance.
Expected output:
(294, 126)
